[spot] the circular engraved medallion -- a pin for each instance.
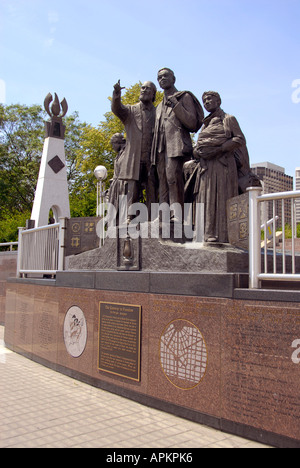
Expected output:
(75, 331)
(183, 354)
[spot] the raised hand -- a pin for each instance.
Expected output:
(118, 88)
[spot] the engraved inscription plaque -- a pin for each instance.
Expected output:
(120, 340)
(261, 382)
(238, 221)
(45, 329)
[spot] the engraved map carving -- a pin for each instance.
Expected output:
(183, 354)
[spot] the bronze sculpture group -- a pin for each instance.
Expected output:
(158, 155)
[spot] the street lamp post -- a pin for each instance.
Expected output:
(100, 173)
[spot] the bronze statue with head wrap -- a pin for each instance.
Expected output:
(220, 162)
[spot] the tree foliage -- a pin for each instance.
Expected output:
(21, 143)
(96, 150)
(21, 146)
(96, 141)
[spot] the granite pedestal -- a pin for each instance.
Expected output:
(8, 268)
(209, 350)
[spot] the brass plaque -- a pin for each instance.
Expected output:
(120, 340)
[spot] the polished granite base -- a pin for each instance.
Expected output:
(8, 268)
(210, 350)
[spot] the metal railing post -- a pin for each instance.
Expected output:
(254, 237)
(61, 248)
(20, 251)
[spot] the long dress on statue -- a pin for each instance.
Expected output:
(217, 174)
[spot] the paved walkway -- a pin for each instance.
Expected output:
(42, 408)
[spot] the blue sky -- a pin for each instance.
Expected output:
(247, 50)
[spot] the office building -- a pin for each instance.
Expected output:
(274, 179)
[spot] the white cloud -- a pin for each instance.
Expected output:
(53, 17)
(2, 92)
(49, 42)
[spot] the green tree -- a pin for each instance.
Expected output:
(96, 150)
(10, 223)
(21, 143)
(21, 146)
(96, 147)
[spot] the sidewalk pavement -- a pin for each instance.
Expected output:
(41, 408)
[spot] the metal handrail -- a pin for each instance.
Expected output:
(9, 244)
(41, 228)
(279, 196)
(41, 250)
(255, 273)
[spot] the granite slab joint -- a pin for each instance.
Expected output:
(267, 295)
(220, 285)
(177, 283)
